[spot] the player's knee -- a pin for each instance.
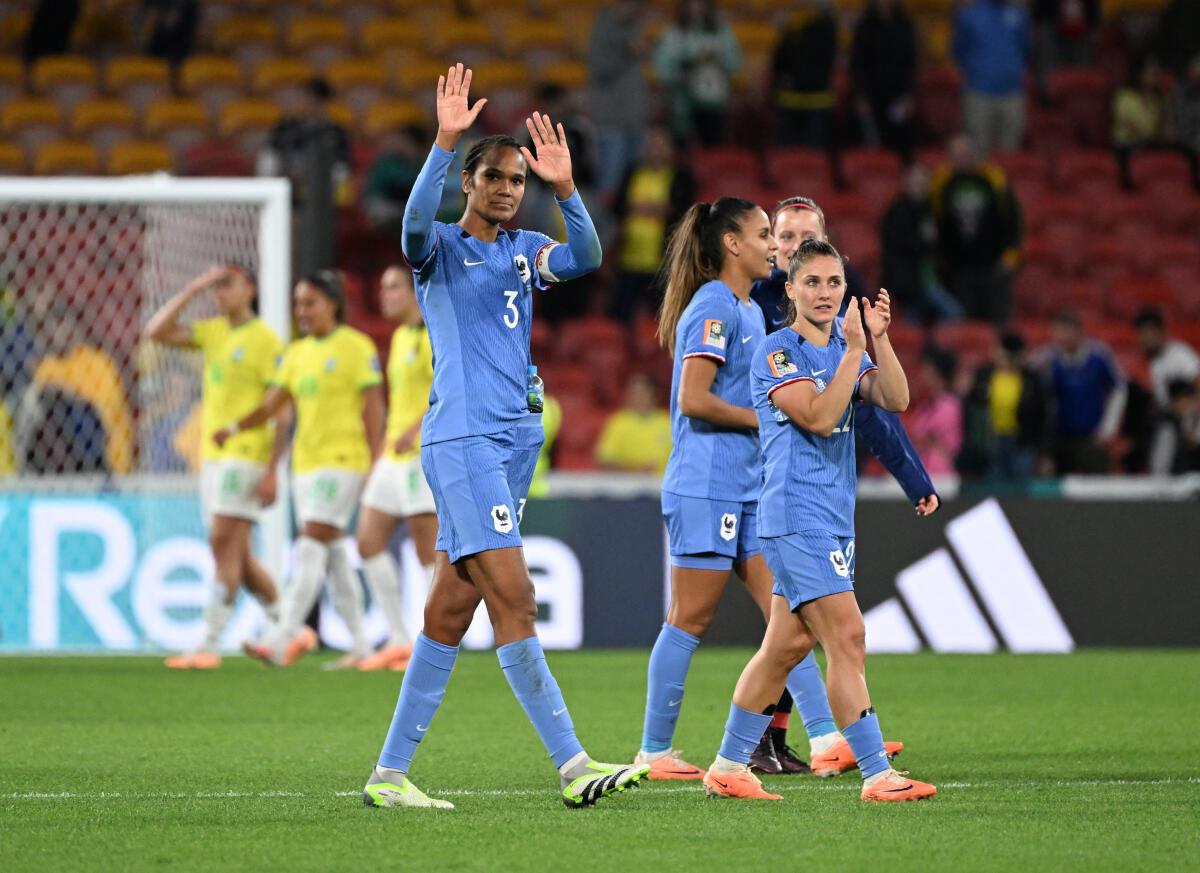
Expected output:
(446, 622)
(851, 642)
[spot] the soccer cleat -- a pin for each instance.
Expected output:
(892, 787)
(838, 758)
(740, 783)
(348, 661)
(763, 759)
(194, 661)
(669, 766)
(789, 761)
(389, 791)
(300, 645)
(601, 780)
(261, 653)
(387, 658)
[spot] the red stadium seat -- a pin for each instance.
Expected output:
(858, 241)
(1035, 331)
(851, 206)
(1084, 94)
(794, 170)
(1055, 208)
(873, 173)
(1152, 169)
(1067, 244)
(1076, 166)
(939, 101)
(1128, 294)
(576, 338)
(715, 163)
(1023, 165)
(962, 335)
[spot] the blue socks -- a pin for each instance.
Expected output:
(807, 687)
(524, 667)
(866, 741)
(669, 662)
(421, 694)
(743, 730)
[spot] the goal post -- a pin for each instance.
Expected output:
(102, 543)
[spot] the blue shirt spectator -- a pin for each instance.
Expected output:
(992, 46)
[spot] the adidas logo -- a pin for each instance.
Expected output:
(941, 604)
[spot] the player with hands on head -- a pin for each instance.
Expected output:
(807, 381)
(479, 440)
(237, 479)
(331, 375)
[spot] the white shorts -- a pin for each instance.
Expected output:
(327, 496)
(230, 487)
(399, 488)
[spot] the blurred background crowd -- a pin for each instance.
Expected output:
(1023, 178)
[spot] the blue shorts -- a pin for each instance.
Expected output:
(810, 565)
(710, 534)
(479, 486)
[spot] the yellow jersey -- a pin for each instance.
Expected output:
(410, 375)
(239, 362)
(636, 442)
(326, 377)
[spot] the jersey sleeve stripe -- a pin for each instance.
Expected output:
(863, 373)
(775, 388)
(712, 355)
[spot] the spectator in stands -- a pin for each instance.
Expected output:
(1170, 360)
(909, 241)
(652, 198)
(696, 59)
(167, 28)
(1176, 446)
(390, 178)
(1064, 30)
(979, 231)
(1186, 111)
(291, 143)
(638, 437)
(936, 423)
(883, 62)
(50, 28)
(1005, 414)
(1143, 118)
(1178, 40)
(992, 49)
(617, 94)
(802, 76)
(1087, 394)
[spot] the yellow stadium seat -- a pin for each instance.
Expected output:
(358, 81)
(138, 80)
(212, 80)
(457, 34)
(419, 78)
(340, 113)
(389, 115)
(66, 157)
(31, 121)
(390, 35)
(13, 28)
(320, 38)
(66, 79)
(355, 13)
(521, 36)
(12, 78)
(284, 81)
(756, 37)
(103, 123)
(248, 122)
(499, 75)
(143, 156)
(247, 38)
(567, 74)
(12, 159)
(165, 115)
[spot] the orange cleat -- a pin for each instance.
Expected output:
(387, 658)
(893, 787)
(194, 661)
(739, 783)
(300, 645)
(261, 653)
(669, 766)
(839, 758)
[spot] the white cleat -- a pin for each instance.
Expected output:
(389, 788)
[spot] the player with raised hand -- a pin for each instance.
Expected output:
(332, 377)
(238, 479)
(479, 440)
(396, 488)
(807, 380)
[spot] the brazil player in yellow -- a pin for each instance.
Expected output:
(396, 488)
(238, 479)
(332, 377)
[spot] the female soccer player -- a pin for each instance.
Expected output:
(332, 376)
(479, 441)
(396, 488)
(238, 479)
(806, 381)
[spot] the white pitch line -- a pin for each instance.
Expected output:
(530, 792)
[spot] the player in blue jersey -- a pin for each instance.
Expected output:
(795, 220)
(807, 381)
(479, 440)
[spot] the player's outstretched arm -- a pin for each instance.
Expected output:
(455, 117)
(272, 403)
(164, 327)
(884, 436)
(582, 253)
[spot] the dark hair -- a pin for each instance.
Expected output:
(319, 88)
(800, 203)
(805, 252)
(1012, 342)
(250, 276)
(1068, 316)
(486, 145)
(1177, 388)
(1151, 316)
(695, 254)
(331, 286)
(943, 361)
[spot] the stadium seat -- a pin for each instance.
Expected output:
(875, 173)
(971, 341)
(851, 206)
(756, 37)
(1035, 331)
(138, 80)
(215, 157)
(796, 169)
(939, 101)
(284, 81)
(418, 79)
(1168, 169)
(12, 159)
(31, 121)
(66, 158)
(858, 241)
(570, 75)
(211, 79)
(1084, 95)
(1067, 244)
(1075, 167)
(355, 13)
(577, 336)
(1050, 209)
(143, 156)
(537, 42)
(1184, 281)
(1128, 294)
(66, 79)
(1034, 292)
(248, 121)
(247, 39)
(103, 122)
(581, 425)
(321, 39)
(507, 85)
(722, 162)
(390, 115)
(1027, 165)
(179, 123)
(12, 79)
(390, 35)
(360, 82)
(470, 40)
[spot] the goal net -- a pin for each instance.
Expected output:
(102, 539)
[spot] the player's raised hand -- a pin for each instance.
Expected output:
(852, 328)
(454, 114)
(553, 161)
(879, 314)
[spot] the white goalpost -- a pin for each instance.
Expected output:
(102, 545)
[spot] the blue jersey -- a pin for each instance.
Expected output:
(708, 460)
(809, 481)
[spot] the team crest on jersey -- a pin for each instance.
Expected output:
(330, 365)
(238, 354)
(714, 333)
(840, 565)
(728, 526)
(781, 363)
(522, 264)
(502, 519)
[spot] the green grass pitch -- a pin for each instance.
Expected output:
(1087, 762)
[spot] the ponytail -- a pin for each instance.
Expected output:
(695, 254)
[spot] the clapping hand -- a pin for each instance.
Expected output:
(852, 328)
(879, 314)
(553, 161)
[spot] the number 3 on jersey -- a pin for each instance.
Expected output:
(511, 314)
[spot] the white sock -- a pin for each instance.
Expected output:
(312, 560)
(573, 768)
(871, 780)
(823, 743)
(270, 609)
(654, 756)
(383, 578)
(348, 599)
(216, 616)
(724, 765)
